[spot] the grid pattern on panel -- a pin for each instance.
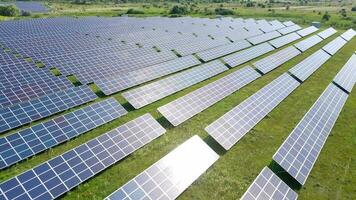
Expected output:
(223, 50)
(286, 39)
(26, 112)
(308, 43)
(346, 78)
(271, 62)
(289, 29)
(152, 92)
(247, 54)
(335, 45)
(57, 176)
(309, 65)
(130, 79)
(349, 34)
(30, 141)
(32, 90)
(300, 150)
(327, 33)
(18, 67)
(171, 175)
(307, 31)
(269, 186)
(183, 108)
(232, 126)
(264, 37)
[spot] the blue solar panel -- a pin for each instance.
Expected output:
(26, 112)
(57, 176)
(31, 141)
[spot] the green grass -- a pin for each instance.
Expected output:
(332, 176)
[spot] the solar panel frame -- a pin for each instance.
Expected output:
(267, 185)
(264, 37)
(169, 177)
(327, 33)
(307, 31)
(189, 105)
(334, 46)
(35, 139)
(346, 78)
(26, 112)
(286, 39)
(233, 125)
(59, 175)
(289, 29)
(275, 60)
(133, 78)
(142, 96)
(299, 152)
(348, 35)
(308, 43)
(309, 65)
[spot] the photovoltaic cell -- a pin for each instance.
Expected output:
(281, 41)
(26, 112)
(232, 126)
(273, 61)
(308, 43)
(335, 45)
(289, 29)
(247, 54)
(327, 33)
(223, 50)
(152, 92)
(289, 23)
(133, 78)
(59, 175)
(307, 31)
(346, 78)
(309, 65)
(264, 37)
(298, 153)
(33, 140)
(171, 175)
(185, 107)
(348, 35)
(268, 186)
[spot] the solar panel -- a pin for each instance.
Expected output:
(308, 43)
(281, 41)
(171, 175)
(307, 31)
(247, 54)
(223, 50)
(273, 61)
(309, 65)
(289, 23)
(185, 107)
(264, 37)
(14, 95)
(298, 153)
(26, 112)
(335, 45)
(327, 33)
(346, 78)
(289, 29)
(33, 140)
(130, 79)
(348, 35)
(152, 92)
(59, 175)
(232, 126)
(268, 186)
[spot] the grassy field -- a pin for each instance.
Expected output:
(333, 176)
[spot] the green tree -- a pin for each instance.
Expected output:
(179, 10)
(10, 11)
(326, 16)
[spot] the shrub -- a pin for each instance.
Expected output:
(179, 10)
(326, 16)
(134, 11)
(343, 13)
(10, 11)
(25, 13)
(224, 11)
(353, 8)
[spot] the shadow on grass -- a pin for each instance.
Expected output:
(285, 176)
(165, 123)
(128, 106)
(214, 145)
